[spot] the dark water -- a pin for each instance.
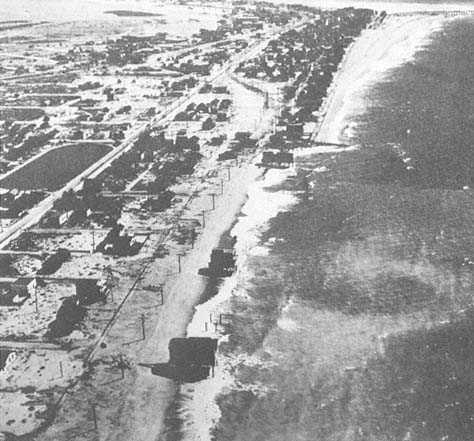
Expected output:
(359, 324)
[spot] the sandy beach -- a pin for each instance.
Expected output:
(368, 60)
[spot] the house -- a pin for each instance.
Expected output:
(54, 262)
(24, 286)
(191, 359)
(227, 155)
(52, 220)
(278, 160)
(294, 131)
(221, 90)
(146, 156)
(181, 138)
(56, 219)
(16, 293)
(6, 299)
(64, 217)
(222, 116)
(206, 88)
(242, 136)
(118, 243)
(89, 291)
(5, 262)
(222, 263)
(202, 108)
(208, 124)
(193, 351)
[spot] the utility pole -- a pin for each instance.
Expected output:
(110, 282)
(213, 201)
(222, 186)
(143, 327)
(36, 297)
(179, 262)
(93, 241)
(94, 416)
(161, 294)
(203, 213)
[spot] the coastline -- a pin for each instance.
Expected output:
(136, 408)
(370, 59)
(200, 403)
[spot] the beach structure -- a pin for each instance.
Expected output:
(222, 263)
(190, 359)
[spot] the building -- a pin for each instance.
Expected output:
(54, 262)
(56, 219)
(24, 286)
(222, 263)
(191, 359)
(90, 291)
(294, 131)
(6, 299)
(277, 160)
(91, 187)
(17, 292)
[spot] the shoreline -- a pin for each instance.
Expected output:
(332, 108)
(200, 400)
(385, 47)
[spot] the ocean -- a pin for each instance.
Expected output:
(351, 314)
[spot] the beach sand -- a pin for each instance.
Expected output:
(368, 60)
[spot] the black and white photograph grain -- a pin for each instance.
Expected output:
(236, 220)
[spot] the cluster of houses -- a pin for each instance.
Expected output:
(194, 112)
(21, 139)
(119, 243)
(87, 206)
(243, 143)
(15, 203)
(15, 292)
(307, 58)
